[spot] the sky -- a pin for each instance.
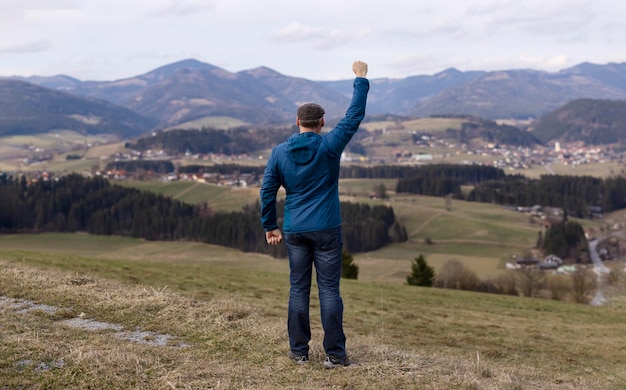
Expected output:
(109, 40)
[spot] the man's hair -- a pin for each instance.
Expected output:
(310, 115)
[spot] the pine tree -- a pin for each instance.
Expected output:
(422, 274)
(349, 270)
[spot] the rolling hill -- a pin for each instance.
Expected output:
(31, 109)
(594, 122)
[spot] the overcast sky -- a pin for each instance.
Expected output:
(317, 40)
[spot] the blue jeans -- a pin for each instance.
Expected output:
(323, 249)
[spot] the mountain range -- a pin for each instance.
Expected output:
(190, 90)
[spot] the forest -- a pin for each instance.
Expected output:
(240, 140)
(579, 196)
(74, 203)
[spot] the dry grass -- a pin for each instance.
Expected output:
(233, 329)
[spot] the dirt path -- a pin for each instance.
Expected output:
(423, 225)
(481, 242)
(186, 190)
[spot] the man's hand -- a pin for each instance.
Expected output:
(359, 68)
(274, 237)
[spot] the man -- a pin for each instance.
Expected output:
(307, 167)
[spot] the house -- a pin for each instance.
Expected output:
(551, 262)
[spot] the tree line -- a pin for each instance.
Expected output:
(580, 196)
(240, 140)
(74, 203)
(235, 141)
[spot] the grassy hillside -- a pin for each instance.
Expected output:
(227, 309)
(213, 122)
(482, 236)
(219, 198)
(56, 144)
(30, 109)
(223, 316)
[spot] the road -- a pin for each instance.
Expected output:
(599, 268)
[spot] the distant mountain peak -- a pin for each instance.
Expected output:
(447, 72)
(262, 71)
(190, 64)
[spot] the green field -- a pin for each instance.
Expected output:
(482, 236)
(426, 125)
(213, 122)
(13, 148)
(219, 198)
(54, 139)
(595, 169)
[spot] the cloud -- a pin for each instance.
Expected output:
(318, 37)
(183, 8)
(408, 62)
(15, 12)
(26, 5)
(557, 62)
(493, 7)
(444, 29)
(28, 47)
(559, 21)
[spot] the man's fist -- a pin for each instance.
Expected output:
(359, 68)
(274, 237)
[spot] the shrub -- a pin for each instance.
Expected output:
(505, 283)
(457, 276)
(559, 286)
(583, 285)
(530, 281)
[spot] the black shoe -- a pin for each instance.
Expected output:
(298, 359)
(333, 361)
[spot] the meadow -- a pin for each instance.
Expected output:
(214, 122)
(224, 314)
(482, 236)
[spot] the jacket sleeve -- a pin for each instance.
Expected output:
(339, 137)
(269, 189)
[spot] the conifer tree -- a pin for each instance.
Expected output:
(422, 274)
(349, 270)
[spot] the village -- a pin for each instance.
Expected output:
(508, 158)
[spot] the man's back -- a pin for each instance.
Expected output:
(307, 166)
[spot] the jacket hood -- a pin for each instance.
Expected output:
(302, 147)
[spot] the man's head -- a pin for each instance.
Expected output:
(310, 116)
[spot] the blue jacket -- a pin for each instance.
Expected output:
(307, 166)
